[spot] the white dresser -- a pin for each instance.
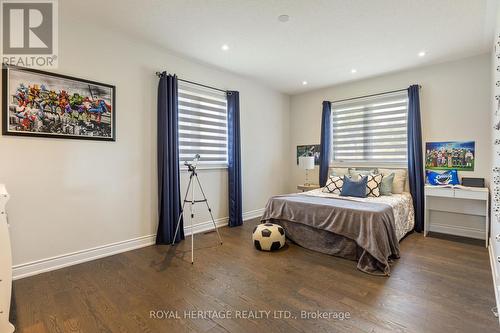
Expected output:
(5, 265)
(461, 211)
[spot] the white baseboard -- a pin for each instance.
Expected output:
(253, 214)
(49, 264)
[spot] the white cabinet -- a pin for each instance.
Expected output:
(5, 265)
(460, 211)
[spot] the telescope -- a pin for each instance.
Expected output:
(192, 165)
(190, 187)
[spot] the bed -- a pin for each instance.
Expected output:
(367, 230)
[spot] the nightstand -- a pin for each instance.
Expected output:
(309, 187)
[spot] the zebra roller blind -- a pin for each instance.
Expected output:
(370, 129)
(202, 124)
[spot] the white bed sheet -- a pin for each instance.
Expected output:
(402, 207)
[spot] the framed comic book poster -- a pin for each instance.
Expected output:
(43, 104)
(459, 155)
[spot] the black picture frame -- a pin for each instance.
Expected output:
(6, 100)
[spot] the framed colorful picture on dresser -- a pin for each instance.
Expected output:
(43, 104)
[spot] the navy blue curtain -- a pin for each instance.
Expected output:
(234, 159)
(169, 197)
(326, 129)
(415, 158)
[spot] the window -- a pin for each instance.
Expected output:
(370, 129)
(202, 124)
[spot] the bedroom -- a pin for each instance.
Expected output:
(92, 208)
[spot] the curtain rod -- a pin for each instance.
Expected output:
(382, 93)
(160, 74)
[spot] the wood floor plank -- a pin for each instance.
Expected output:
(437, 285)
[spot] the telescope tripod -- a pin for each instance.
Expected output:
(192, 202)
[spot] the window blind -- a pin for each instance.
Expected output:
(370, 129)
(202, 124)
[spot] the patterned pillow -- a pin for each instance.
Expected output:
(373, 185)
(334, 184)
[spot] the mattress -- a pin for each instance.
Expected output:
(402, 207)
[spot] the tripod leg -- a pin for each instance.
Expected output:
(192, 227)
(208, 206)
(182, 210)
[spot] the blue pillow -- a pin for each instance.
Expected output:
(449, 177)
(354, 188)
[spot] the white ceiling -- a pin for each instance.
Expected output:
(321, 43)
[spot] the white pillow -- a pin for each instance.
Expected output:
(334, 184)
(398, 186)
(373, 184)
(340, 172)
(355, 173)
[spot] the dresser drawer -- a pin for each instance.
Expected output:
(478, 195)
(440, 192)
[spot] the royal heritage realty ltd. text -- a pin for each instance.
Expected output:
(248, 314)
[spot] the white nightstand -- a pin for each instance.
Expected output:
(461, 211)
(309, 187)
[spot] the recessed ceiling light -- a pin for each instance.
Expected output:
(421, 53)
(284, 18)
(354, 71)
(304, 83)
(224, 47)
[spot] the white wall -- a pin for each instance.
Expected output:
(71, 195)
(454, 102)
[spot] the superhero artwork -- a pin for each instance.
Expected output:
(37, 103)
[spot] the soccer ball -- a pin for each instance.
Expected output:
(268, 237)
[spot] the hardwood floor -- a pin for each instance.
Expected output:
(438, 285)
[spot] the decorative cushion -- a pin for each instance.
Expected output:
(268, 237)
(398, 185)
(449, 177)
(334, 185)
(373, 185)
(354, 173)
(354, 188)
(340, 172)
(386, 185)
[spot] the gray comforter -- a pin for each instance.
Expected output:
(366, 229)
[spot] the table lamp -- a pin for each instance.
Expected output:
(306, 163)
